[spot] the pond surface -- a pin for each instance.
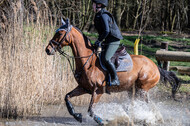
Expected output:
(138, 113)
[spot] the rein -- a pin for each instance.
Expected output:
(76, 74)
(69, 58)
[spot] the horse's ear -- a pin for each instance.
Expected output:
(68, 22)
(63, 22)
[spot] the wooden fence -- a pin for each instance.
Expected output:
(163, 56)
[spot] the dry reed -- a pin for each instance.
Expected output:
(28, 77)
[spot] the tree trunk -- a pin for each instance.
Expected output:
(188, 12)
(173, 23)
(127, 18)
(117, 12)
(137, 13)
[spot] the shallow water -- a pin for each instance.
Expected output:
(140, 113)
(165, 112)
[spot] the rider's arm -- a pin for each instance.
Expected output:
(105, 27)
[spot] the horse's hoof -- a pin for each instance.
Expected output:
(78, 117)
(98, 120)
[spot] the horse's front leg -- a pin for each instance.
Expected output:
(76, 92)
(94, 99)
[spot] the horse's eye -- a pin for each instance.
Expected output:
(60, 34)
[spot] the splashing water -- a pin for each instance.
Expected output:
(111, 111)
(140, 113)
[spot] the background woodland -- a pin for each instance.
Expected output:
(160, 15)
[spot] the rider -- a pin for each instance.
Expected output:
(109, 33)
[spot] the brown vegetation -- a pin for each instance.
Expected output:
(28, 78)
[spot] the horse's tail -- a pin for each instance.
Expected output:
(169, 76)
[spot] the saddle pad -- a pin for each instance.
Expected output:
(126, 63)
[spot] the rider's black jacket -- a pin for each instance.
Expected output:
(106, 26)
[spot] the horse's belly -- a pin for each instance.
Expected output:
(126, 82)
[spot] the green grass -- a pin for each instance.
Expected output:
(174, 63)
(184, 77)
(167, 39)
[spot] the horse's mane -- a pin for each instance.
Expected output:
(86, 39)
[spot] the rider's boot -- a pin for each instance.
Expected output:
(112, 71)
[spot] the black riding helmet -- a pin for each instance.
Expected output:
(103, 2)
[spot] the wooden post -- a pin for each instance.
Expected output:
(164, 45)
(164, 64)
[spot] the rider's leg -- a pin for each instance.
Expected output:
(110, 50)
(111, 69)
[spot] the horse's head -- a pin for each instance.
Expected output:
(60, 39)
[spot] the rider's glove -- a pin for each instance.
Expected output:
(98, 43)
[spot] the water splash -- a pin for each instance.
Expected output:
(144, 113)
(111, 111)
(137, 113)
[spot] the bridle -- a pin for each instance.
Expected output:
(58, 47)
(58, 44)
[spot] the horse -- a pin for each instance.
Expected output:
(90, 76)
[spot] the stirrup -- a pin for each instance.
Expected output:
(113, 82)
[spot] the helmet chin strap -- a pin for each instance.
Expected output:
(98, 9)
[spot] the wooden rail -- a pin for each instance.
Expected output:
(163, 55)
(181, 69)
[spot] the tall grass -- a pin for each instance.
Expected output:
(28, 77)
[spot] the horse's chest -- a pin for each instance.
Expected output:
(85, 81)
(92, 78)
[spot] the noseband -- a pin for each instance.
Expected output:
(58, 44)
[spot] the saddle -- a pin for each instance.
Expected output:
(121, 59)
(119, 53)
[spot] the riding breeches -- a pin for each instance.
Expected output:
(110, 50)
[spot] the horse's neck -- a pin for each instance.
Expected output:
(80, 50)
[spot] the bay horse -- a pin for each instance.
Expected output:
(90, 76)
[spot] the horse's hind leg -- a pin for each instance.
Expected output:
(76, 92)
(145, 88)
(144, 95)
(138, 93)
(133, 93)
